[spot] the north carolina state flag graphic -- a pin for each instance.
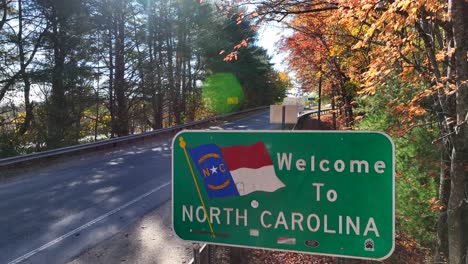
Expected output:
(235, 170)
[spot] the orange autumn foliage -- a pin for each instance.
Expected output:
(366, 41)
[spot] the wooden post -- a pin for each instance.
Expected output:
(319, 102)
(333, 107)
(283, 118)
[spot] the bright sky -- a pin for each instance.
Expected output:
(270, 35)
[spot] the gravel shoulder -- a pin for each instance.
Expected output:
(150, 240)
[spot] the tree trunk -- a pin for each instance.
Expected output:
(58, 108)
(444, 192)
(170, 72)
(155, 42)
(119, 82)
(27, 84)
(152, 74)
(111, 86)
(457, 209)
(159, 94)
(4, 8)
(191, 104)
(333, 106)
(178, 95)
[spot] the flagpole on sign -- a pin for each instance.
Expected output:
(183, 145)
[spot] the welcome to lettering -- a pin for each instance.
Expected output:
(286, 161)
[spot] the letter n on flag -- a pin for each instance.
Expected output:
(235, 170)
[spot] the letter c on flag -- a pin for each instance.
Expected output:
(221, 167)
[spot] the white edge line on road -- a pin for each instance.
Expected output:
(90, 223)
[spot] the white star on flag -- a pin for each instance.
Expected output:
(214, 170)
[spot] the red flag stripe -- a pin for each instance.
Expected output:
(254, 156)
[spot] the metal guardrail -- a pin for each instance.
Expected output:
(323, 111)
(114, 141)
(314, 112)
(311, 113)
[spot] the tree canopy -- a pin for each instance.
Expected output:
(74, 71)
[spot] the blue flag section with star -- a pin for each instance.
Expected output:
(213, 170)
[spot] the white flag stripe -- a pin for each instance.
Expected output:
(261, 179)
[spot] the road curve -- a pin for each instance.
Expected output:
(52, 214)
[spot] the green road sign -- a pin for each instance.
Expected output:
(327, 193)
(233, 100)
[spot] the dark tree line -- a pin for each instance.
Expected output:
(73, 70)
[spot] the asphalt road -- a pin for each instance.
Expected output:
(52, 214)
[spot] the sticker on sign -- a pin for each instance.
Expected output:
(328, 193)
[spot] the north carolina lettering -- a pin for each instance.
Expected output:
(219, 216)
(314, 223)
(287, 161)
(283, 221)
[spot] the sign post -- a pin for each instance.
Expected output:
(283, 114)
(327, 193)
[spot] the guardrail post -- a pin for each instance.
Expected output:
(341, 261)
(196, 253)
(211, 254)
(236, 255)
